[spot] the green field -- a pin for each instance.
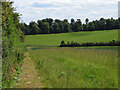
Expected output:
(55, 39)
(70, 67)
(92, 67)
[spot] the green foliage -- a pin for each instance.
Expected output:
(72, 24)
(91, 26)
(33, 28)
(25, 28)
(49, 26)
(56, 27)
(87, 44)
(12, 45)
(66, 27)
(45, 28)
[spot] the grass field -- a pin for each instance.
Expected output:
(80, 68)
(55, 39)
(86, 67)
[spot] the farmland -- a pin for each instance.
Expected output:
(55, 39)
(93, 67)
(81, 68)
(50, 49)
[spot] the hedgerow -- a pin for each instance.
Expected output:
(75, 44)
(12, 45)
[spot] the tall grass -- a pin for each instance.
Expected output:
(76, 68)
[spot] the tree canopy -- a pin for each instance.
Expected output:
(48, 26)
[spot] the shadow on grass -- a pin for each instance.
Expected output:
(36, 47)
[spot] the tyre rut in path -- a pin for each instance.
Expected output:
(29, 77)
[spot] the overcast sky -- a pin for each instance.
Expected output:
(32, 10)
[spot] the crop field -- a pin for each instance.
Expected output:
(79, 67)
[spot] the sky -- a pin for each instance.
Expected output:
(33, 10)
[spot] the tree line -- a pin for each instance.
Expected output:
(50, 26)
(75, 44)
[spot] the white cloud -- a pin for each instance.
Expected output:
(61, 9)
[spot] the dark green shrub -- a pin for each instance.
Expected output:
(75, 44)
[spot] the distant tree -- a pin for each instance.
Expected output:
(61, 26)
(72, 24)
(87, 20)
(117, 24)
(85, 27)
(33, 28)
(40, 25)
(96, 24)
(108, 24)
(25, 28)
(65, 20)
(50, 21)
(91, 26)
(102, 24)
(72, 21)
(51, 29)
(45, 28)
(79, 21)
(57, 21)
(56, 27)
(44, 20)
(66, 27)
(78, 25)
(49, 25)
(119, 18)
(76, 28)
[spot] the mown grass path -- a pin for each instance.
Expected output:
(29, 77)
